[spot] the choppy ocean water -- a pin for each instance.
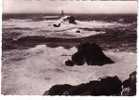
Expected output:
(115, 28)
(32, 58)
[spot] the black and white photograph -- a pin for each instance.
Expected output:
(69, 47)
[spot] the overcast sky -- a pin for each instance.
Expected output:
(69, 6)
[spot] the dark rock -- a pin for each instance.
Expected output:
(111, 86)
(78, 31)
(56, 25)
(69, 63)
(129, 85)
(58, 90)
(106, 86)
(78, 58)
(71, 20)
(92, 54)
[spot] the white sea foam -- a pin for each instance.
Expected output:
(66, 29)
(43, 67)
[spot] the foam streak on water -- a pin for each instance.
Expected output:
(46, 27)
(34, 69)
(42, 67)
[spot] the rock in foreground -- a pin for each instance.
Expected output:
(106, 86)
(129, 85)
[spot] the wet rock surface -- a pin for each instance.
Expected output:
(92, 54)
(129, 85)
(104, 86)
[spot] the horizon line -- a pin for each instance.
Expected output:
(66, 13)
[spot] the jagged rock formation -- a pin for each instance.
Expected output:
(92, 54)
(106, 86)
(129, 85)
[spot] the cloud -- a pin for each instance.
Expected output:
(69, 6)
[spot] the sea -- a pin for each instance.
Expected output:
(34, 50)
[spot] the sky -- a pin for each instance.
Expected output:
(69, 6)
